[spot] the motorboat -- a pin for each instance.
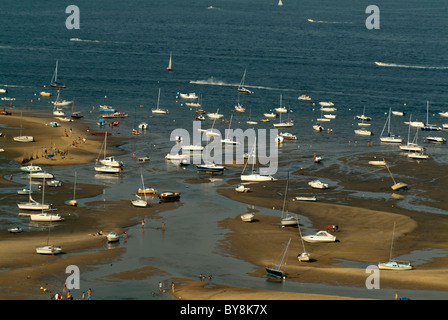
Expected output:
(54, 183)
(45, 94)
(363, 132)
(23, 139)
(328, 109)
(24, 191)
(46, 217)
(305, 198)
(215, 115)
(436, 139)
(247, 217)
(113, 115)
(105, 108)
(395, 265)
(112, 237)
(169, 196)
(444, 114)
(146, 191)
(111, 162)
(192, 147)
(30, 168)
(210, 167)
(188, 96)
(52, 250)
(317, 184)
(270, 115)
(380, 163)
(320, 236)
(288, 136)
(257, 177)
(15, 230)
(58, 112)
(242, 189)
(326, 104)
(304, 97)
(398, 113)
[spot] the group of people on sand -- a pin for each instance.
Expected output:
(332, 227)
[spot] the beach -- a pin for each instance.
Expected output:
(364, 227)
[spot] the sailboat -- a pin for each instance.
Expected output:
(255, 176)
(75, 114)
(169, 68)
(392, 264)
(54, 80)
(49, 249)
(304, 256)
(139, 202)
(389, 138)
(21, 138)
(281, 124)
(287, 218)
(241, 87)
(158, 110)
(251, 122)
(427, 126)
(227, 140)
(398, 186)
(280, 3)
(108, 164)
(277, 272)
(412, 146)
(32, 204)
(43, 216)
(73, 202)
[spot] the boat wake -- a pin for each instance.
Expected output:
(215, 82)
(93, 41)
(394, 65)
(332, 22)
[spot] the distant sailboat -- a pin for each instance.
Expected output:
(280, 3)
(169, 68)
(241, 87)
(54, 80)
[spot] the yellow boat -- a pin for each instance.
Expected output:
(45, 94)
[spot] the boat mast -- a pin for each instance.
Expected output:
(387, 167)
(284, 254)
(392, 243)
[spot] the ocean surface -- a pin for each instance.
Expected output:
(119, 56)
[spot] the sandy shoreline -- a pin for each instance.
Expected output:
(364, 234)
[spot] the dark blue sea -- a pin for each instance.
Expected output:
(119, 56)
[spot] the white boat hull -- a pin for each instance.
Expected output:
(247, 217)
(49, 250)
(257, 178)
(44, 217)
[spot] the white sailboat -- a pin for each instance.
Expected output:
(392, 264)
(169, 68)
(241, 88)
(280, 3)
(427, 126)
(158, 110)
(32, 204)
(389, 138)
(21, 138)
(44, 216)
(412, 146)
(281, 124)
(73, 202)
(108, 164)
(255, 176)
(304, 256)
(227, 140)
(139, 202)
(287, 218)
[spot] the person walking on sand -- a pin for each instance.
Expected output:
(160, 287)
(89, 294)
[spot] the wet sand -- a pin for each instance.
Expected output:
(364, 232)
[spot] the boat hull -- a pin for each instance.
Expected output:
(275, 273)
(49, 250)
